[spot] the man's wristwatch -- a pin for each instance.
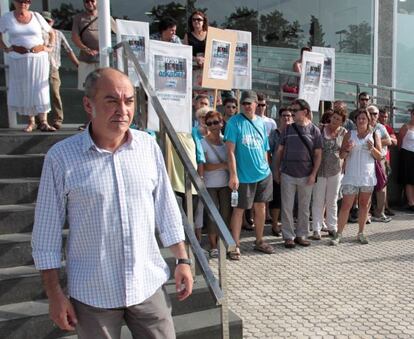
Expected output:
(183, 261)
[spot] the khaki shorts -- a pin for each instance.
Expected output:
(261, 191)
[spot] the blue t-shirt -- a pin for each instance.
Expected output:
(197, 137)
(250, 148)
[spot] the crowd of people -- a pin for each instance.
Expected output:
(309, 178)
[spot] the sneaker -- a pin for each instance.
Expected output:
(332, 233)
(316, 235)
(382, 218)
(389, 212)
(336, 240)
(362, 238)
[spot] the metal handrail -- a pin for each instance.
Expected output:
(226, 242)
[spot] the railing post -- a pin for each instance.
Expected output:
(190, 215)
(358, 90)
(224, 308)
(392, 107)
(124, 60)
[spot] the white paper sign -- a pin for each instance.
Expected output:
(137, 34)
(242, 74)
(328, 75)
(170, 72)
(219, 62)
(311, 78)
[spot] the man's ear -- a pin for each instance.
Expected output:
(88, 106)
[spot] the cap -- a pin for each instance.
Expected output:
(248, 96)
(47, 16)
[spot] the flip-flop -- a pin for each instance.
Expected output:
(47, 128)
(29, 128)
(235, 255)
(264, 247)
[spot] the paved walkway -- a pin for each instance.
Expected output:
(349, 291)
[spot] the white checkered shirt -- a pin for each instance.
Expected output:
(112, 203)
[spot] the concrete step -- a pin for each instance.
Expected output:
(21, 166)
(23, 283)
(15, 250)
(18, 190)
(19, 142)
(31, 320)
(16, 218)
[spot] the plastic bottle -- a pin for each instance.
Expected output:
(234, 198)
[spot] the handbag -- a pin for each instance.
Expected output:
(382, 179)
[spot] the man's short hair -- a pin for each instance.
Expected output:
(230, 100)
(202, 96)
(303, 104)
(93, 77)
(166, 23)
(363, 94)
(261, 97)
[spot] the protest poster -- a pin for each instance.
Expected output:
(137, 35)
(170, 74)
(311, 78)
(328, 75)
(219, 59)
(242, 72)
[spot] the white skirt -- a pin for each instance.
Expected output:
(28, 86)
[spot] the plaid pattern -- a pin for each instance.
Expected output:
(112, 203)
(54, 55)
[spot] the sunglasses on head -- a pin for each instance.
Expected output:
(211, 123)
(198, 19)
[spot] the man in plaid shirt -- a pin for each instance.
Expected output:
(55, 62)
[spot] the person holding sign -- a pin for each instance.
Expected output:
(196, 37)
(247, 146)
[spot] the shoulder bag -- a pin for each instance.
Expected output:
(251, 122)
(382, 179)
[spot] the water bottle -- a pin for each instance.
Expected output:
(234, 198)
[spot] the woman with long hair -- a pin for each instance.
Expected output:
(197, 35)
(360, 148)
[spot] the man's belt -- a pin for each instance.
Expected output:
(24, 50)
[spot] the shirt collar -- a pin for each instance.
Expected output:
(88, 144)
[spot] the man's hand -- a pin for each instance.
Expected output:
(234, 182)
(62, 313)
(183, 281)
(277, 176)
(311, 179)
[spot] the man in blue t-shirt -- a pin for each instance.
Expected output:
(247, 146)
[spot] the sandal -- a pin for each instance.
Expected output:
(213, 253)
(29, 128)
(45, 127)
(264, 247)
(235, 255)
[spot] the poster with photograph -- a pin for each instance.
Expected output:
(311, 78)
(219, 59)
(170, 74)
(242, 73)
(219, 62)
(137, 35)
(328, 75)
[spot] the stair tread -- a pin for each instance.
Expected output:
(19, 180)
(21, 156)
(17, 207)
(21, 237)
(7, 132)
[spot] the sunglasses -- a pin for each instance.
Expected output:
(198, 19)
(373, 113)
(294, 110)
(211, 123)
(286, 115)
(86, 1)
(24, 1)
(231, 106)
(364, 99)
(261, 105)
(246, 103)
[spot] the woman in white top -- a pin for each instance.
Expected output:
(360, 153)
(28, 87)
(406, 163)
(216, 175)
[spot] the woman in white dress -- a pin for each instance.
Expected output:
(360, 150)
(28, 61)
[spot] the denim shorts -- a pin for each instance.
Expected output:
(353, 190)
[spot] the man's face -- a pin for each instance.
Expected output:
(90, 5)
(230, 109)
(298, 113)
(202, 102)
(363, 101)
(383, 118)
(249, 108)
(261, 107)
(113, 106)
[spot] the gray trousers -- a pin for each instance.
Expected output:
(150, 319)
(289, 186)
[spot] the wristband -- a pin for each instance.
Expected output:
(183, 261)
